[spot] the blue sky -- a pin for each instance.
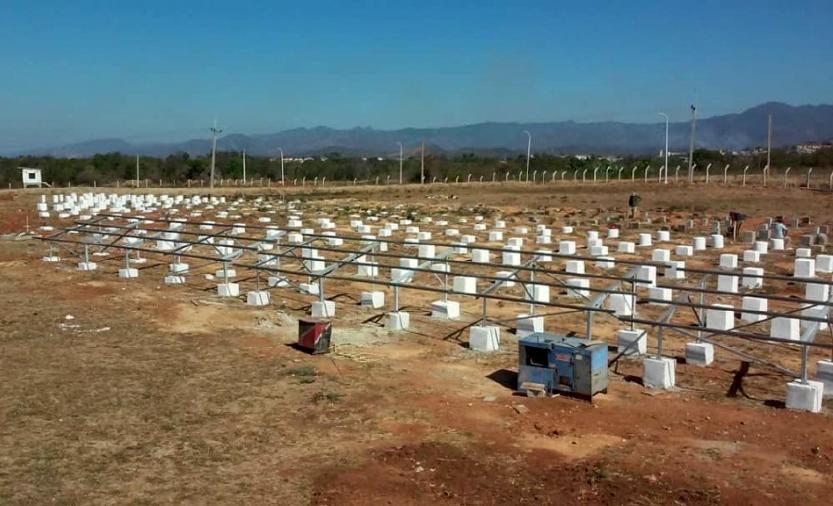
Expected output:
(161, 71)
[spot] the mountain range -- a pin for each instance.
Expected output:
(791, 125)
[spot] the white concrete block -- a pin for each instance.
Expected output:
(824, 263)
(664, 294)
(721, 317)
(128, 273)
(727, 283)
(445, 309)
(661, 255)
(803, 252)
(484, 338)
(776, 244)
(481, 256)
(567, 247)
(824, 375)
(369, 269)
(373, 299)
(626, 247)
(675, 270)
(750, 279)
(566, 229)
(87, 266)
(605, 262)
(592, 235)
(751, 256)
(228, 289)
(578, 287)
(785, 328)
(659, 373)
(495, 235)
(427, 251)
(398, 320)
(621, 304)
(804, 268)
(663, 235)
(575, 266)
(543, 255)
(308, 288)
(408, 262)
(529, 324)
(538, 293)
(543, 239)
(509, 283)
(511, 258)
(754, 304)
(805, 396)
(326, 309)
(465, 284)
(172, 279)
(635, 341)
(645, 239)
(701, 354)
(817, 291)
(684, 251)
(257, 298)
(699, 243)
(646, 276)
(716, 241)
(516, 242)
(613, 233)
(51, 258)
(760, 247)
(728, 261)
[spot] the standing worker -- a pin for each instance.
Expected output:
(779, 230)
(633, 205)
(736, 222)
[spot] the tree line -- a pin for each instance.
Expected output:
(177, 169)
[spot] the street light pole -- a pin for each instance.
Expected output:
(528, 152)
(691, 146)
(282, 182)
(401, 154)
(666, 145)
(214, 132)
(422, 165)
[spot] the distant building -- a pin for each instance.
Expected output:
(811, 147)
(31, 177)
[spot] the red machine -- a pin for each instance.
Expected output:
(314, 335)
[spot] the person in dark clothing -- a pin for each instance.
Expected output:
(735, 223)
(633, 205)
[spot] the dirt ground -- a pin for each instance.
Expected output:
(115, 391)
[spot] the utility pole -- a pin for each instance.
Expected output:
(214, 132)
(282, 181)
(137, 171)
(769, 143)
(691, 146)
(666, 145)
(244, 166)
(422, 164)
(401, 154)
(528, 152)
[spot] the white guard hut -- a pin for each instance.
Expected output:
(31, 177)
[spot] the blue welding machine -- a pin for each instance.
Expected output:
(549, 363)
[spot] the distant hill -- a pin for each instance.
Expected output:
(792, 125)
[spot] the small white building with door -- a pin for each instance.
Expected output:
(31, 177)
